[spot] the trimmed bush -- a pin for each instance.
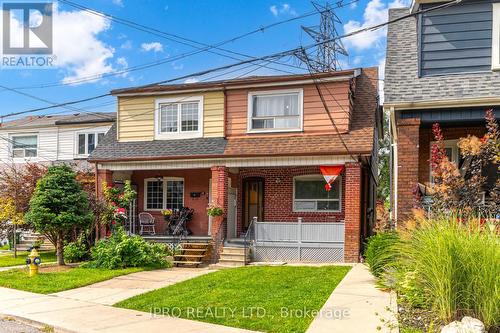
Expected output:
(122, 251)
(381, 254)
(76, 252)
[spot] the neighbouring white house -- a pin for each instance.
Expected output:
(49, 139)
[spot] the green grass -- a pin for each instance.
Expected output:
(51, 282)
(237, 291)
(7, 259)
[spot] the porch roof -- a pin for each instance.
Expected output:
(110, 149)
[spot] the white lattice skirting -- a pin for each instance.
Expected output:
(297, 254)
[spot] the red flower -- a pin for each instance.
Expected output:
(113, 222)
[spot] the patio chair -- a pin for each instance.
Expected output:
(146, 222)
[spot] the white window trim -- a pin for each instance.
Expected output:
(275, 92)
(314, 177)
(179, 135)
(164, 199)
(455, 154)
(77, 134)
(11, 147)
(495, 47)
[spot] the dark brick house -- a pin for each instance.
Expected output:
(442, 67)
(254, 146)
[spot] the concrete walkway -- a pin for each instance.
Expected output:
(122, 287)
(356, 305)
(69, 315)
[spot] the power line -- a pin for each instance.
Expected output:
(184, 55)
(278, 55)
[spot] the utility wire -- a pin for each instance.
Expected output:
(273, 56)
(262, 29)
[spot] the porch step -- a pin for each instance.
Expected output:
(178, 262)
(235, 242)
(191, 254)
(233, 256)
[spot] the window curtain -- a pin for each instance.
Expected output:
(278, 105)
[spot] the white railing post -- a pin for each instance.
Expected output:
(299, 237)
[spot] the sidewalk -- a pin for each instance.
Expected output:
(122, 287)
(71, 315)
(366, 307)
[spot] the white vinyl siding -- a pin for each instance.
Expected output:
(310, 195)
(275, 111)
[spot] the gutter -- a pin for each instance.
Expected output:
(222, 156)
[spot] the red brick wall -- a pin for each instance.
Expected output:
(219, 194)
(194, 181)
(353, 192)
(426, 137)
(278, 195)
(407, 168)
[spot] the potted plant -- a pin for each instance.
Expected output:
(214, 211)
(167, 214)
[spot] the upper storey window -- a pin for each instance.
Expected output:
(179, 118)
(275, 111)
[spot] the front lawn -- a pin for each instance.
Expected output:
(7, 259)
(256, 298)
(54, 278)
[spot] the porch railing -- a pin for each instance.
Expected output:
(298, 241)
(249, 241)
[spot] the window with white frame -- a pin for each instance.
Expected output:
(275, 111)
(495, 47)
(164, 193)
(452, 152)
(310, 195)
(24, 146)
(181, 117)
(86, 142)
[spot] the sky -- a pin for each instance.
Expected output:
(92, 52)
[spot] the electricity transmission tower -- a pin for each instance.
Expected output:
(330, 47)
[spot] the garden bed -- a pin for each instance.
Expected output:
(248, 297)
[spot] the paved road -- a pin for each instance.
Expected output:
(11, 325)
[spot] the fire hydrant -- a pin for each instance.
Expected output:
(33, 261)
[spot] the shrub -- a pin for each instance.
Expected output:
(76, 251)
(121, 251)
(456, 267)
(381, 255)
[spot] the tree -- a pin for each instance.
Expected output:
(17, 183)
(58, 205)
(461, 190)
(384, 182)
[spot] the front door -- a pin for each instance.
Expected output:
(253, 200)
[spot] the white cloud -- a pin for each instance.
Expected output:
(127, 45)
(118, 2)
(353, 5)
(177, 66)
(79, 51)
(191, 80)
(284, 9)
(122, 62)
(153, 46)
(376, 12)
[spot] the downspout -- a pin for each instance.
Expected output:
(394, 165)
(96, 168)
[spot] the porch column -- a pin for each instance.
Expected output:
(407, 166)
(352, 237)
(102, 175)
(219, 194)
